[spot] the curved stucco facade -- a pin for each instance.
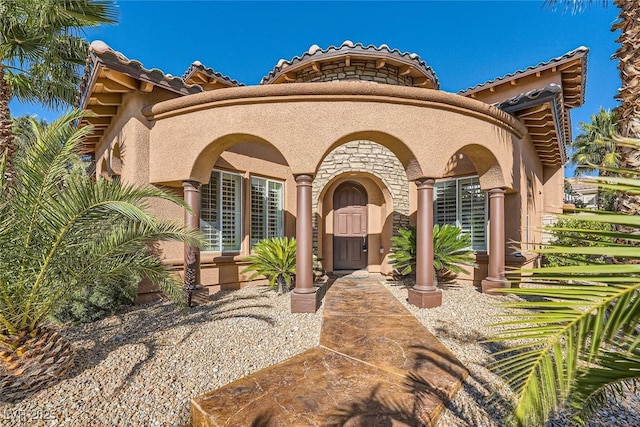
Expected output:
(422, 127)
(384, 137)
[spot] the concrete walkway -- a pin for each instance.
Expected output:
(376, 365)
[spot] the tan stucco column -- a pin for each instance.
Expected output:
(496, 278)
(425, 294)
(303, 297)
(191, 253)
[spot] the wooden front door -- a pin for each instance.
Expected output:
(349, 227)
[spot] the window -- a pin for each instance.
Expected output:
(221, 211)
(461, 202)
(266, 209)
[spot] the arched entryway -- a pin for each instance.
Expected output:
(350, 238)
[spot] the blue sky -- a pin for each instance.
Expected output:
(464, 42)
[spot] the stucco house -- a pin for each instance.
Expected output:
(339, 147)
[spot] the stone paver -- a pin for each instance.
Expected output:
(376, 366)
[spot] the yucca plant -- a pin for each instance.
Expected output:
(577, 344)
(275, 259)
(60, 232)
(451, 250)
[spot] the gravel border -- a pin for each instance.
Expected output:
(461, 324)
(142, 366)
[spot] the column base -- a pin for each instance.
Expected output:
(491, 283)
(304, 303)
(425, 299)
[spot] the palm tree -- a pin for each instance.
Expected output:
(42, 52)
(451, 251)
(628, 56)
(595, 147)
(576, 343)
(58, 233)
(274, 258)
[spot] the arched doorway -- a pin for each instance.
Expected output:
(350, 227)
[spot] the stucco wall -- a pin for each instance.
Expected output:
(387, 136)
(422, 127)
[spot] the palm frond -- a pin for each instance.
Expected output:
(61, 231)
(273, 258)
(575, 342)
(451, 249)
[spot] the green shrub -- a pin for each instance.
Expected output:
(275, 259)
(451, 250)
(96, 301)
(569, 233)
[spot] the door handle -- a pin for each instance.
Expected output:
(364, 243)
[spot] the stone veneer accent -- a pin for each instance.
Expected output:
(357, 70)
(371, 157)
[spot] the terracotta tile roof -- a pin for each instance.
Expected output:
(197, 66)
(346, 48)
(576, 53)
(101, 53)
(515, 103)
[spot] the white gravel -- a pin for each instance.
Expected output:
(143, 366)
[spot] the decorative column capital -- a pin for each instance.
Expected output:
(422, 183)
(304, 179)
(191, 185)
(497, 192)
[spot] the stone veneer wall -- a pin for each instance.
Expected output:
(357, 70)
(365, 156)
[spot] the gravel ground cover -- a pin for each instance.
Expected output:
(143, 366)
(461, 323)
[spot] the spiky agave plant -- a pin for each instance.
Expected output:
(59, 232)
(577, 344)
(451, 250)
(274, 258)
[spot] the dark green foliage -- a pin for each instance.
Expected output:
(595, 147)
(404, 250)
(607, 199)
(96, 301)
(451, 250)
(275, 259)
(572, 196)
(60, 231)
(571, 232)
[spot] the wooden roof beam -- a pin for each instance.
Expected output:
(550, 132)
(145, 86)
(105, 99)
(421, 81)
(199, 76)
(109, 86)
(290, 77)
(548, 123)
(97, 121)
(104, 111)
(122, 79)
(573, 65)
(380, 63)
(404, 70)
